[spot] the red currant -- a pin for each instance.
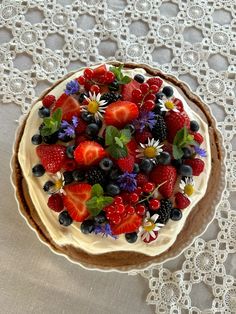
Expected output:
(140, 209)
(120, 208)
(125, 196)
(139, 190)
(144, 88)
(109, 77)
(154, 88)
(149, 105)
(150, 97)
(118, 200)
(134, 197)
(137, 95)
(81, 80)
(95, 89)
(109, 209)
(130, 209)
(154, 204)
(115, 218)
(148, 187)
(87, 85)
(88, 73)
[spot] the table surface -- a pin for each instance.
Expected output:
(32, 278)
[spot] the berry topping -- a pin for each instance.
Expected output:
(168, 91)
(129, 224)
(141, 179)
(75, 200)
(36, 139)
(55, 202)
(154, 204)
(155, 81)
(44, 112)
(196, 164)
(48, 186)
(95, 175)
(164, 158)
(127, 90)
(69, 106)
(52, 157)
(131, 237)
(165, 175)
(159, 131)
(194, 126)
(186, 170)
(174, 122)
(142, 137)
(48, 101)
(181, 200)
(139, 78)
(65, 218)
(87, 226)
(38, 170)
(106, 164)
(89, 153)
(148, 187)
(110, 97)
(198, 138)
(112, 189)
(164, 211)
(126, 163)
(176, 214)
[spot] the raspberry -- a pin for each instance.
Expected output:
(141, 179)
(181, 201)
(143, 137)
(55, 202)
(155, 81)
(196, 164)
(198, 137)
(48, 100)
(126, 164)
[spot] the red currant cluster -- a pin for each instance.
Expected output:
(130, 203)
(92, 80)
(145, 95)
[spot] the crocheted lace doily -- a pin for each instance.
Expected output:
(40, 41)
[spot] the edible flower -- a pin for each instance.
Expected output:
(167, 105)
(187, 186)
(68, 129)
(200, 151)
(145, 119)
(72, 87)
(150, 150)
(95, 105)
(105, 230)
(150, 227)
(127, 181)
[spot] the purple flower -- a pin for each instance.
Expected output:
(105, 230)
(72, 87)
(200, 151)
(145, 119)
(68, 129)
(127, 181)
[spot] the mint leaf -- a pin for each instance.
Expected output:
(97, 190)
(117, 152)
(45, 131)
(111, 133)
(125, 80)
(107, 200)
(177, 152)
(179, 136)
(119, 142)
(125, 136)
(96, 204)
(57, 115)
(122, 79)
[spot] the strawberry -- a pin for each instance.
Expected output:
(141, 179)
(174, 122)
(81, 127)
(143, 136)
(181, 200)
(127, 90)
(55, 202)
(81, 138)
(178, 104)
(132, 146)
(52, 157)
(162, 173)
(48, 100)
(69, 106)
(126, 163)
(198, 137)
(75, 200)
(196, 164)
(155, 81)
(129, 224)
(120, 113)
(89, 153)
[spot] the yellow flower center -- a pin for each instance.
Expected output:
(188, 189)
(150, 152)
(93, 106)
(58, 184)
(149, 225)
(169, 105)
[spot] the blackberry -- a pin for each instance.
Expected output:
(110, 97)
(159, 131)
(95, 175)
(164, 211)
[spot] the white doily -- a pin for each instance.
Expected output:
(40, 41)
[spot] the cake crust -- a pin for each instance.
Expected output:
(126, 261)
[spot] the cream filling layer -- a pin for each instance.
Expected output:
(97, 244)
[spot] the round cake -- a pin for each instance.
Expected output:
(118, 166)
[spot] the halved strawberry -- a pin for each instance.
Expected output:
(52, 157)
(89, 153)
(167, 174)
(129, 224)
(75, 200)
(127, 90)
(69, 106)
(120, 113)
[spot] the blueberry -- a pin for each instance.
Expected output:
(112, 189)
(146, 165)
(38, 170)
(36, 139)
(44, 112)
(194, 126)
(99, 123)
(78, 175)
(164, 158)
(82, 97)
(87, 117)
(51, 139)
(176, 214)
(48, 185)
(114, 174)
(130, 127)
(70, 151)
(87, 226)
(68, 177)
(114, 86)
(65, 218)
(106, 164)
(186, 170)
(136, 168)
(187, 152)
(177, 163)
(131, 237)
(100, 218)
(65, 138)
(92, 129)
(168, 91)
(159, 96)
(139, 78)
(100, 140)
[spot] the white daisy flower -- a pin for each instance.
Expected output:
(149, 227)
(59, 183)
(150, 150)
(187, 186)
(167, 105)
(95, 105)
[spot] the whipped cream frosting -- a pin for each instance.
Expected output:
(97, 244)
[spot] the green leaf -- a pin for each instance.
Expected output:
(111, 133)
(179, 137)
(96, 204)
(125, 136)
(97, 190)
(119, 142)
(107, 200)
(177, 152)
(125, 80)
(117, 152)
(45, 131)
(57, 115)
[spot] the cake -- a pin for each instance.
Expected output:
(116, 166)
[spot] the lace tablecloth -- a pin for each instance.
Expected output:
(40, 41)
